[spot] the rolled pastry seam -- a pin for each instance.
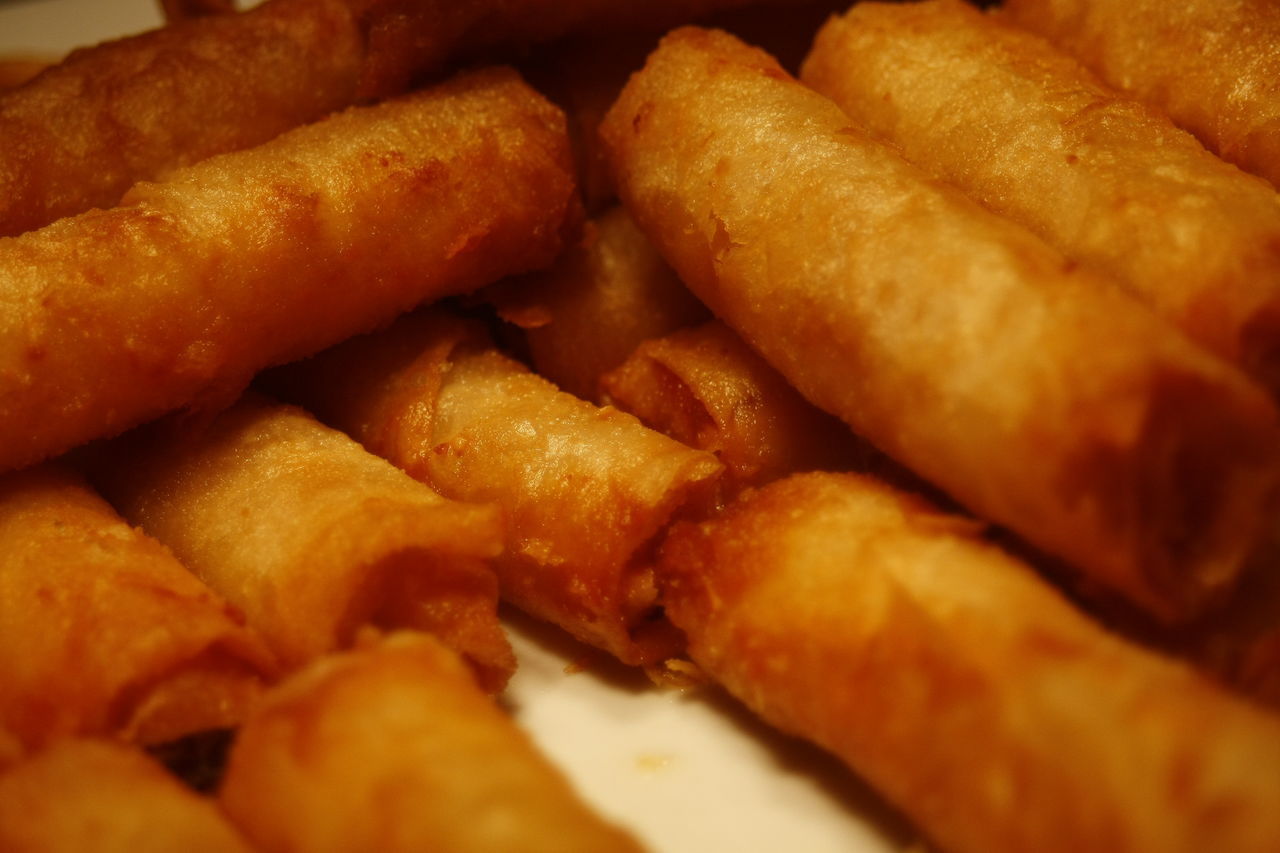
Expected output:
(391, 747)
(310, 535)
(133, 109)
(959, 683)
(87, 795)
(1212, 65)
(584, 490)
(1030, 133)
(102, 630)
(192, 285)
(705, 388)
(1036, 394)
(602, 299)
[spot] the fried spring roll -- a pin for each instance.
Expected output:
(113, 317)
(1037, 395)
(1212, 65)
(83, 796)
(960, 684)
(103, 632)
(312, 536)
(704, 387)
(129, 110)
(585, 315)
(584, 490)
(392, 748)
(1034, 136)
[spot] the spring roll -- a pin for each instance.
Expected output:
(1212, 65)
(192, 285)
(584, 490)
(134, 109)
(960, 684)
(601, 300)
(311, 536)
(84, 796)
(1034, 136)
(1037, 395)
(392, 748)
(103, 632)
(705, 388)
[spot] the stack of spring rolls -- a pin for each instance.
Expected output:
(924, 401)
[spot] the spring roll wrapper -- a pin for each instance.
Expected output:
(393, 748)
(102, 630)
(108, 116)
(959, 683)
(87, 796)
(1212, 65)
(245, 260)
(706, 388)
(1035, 394)
(1034, 136)
(583, 489)
(312, 536)
(602, 299)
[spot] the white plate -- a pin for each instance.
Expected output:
(687, 772)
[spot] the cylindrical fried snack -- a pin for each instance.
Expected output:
(245, 260)
(81, 795)
(584, 490)
(585, 315)
(392, 748)
(109, 116)
(1034, 136)
(1212, 65)
(102, 631)
(1037, 395)
(312, 536)
(704, 387)
(960, 684)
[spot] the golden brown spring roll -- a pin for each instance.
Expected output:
(960, 684)
(134, 109)
(584, 490)
(605, 296)
(704, 387)
(102, 631)
(1212, 65)
(1037, 395)
(245, 260)
(392, 748)
(84, 796)
(311, 536)
(1034, 136)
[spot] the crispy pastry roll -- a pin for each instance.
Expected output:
(1213, 65)
(312, 536)
(393, 748)
(1034, 136)
(130, 110)
(1037, 395)
(245, 260)
(959, 683)
(704, 387)
(604, 297)
(84, 796)
(102, 631)
(584, 490)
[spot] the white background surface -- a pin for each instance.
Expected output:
(688, 772)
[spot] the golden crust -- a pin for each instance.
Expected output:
(954, 340)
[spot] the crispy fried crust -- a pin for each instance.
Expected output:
(961, 345)
(248, 259)
(311, 536)
(1034, 136)
(960, 684)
